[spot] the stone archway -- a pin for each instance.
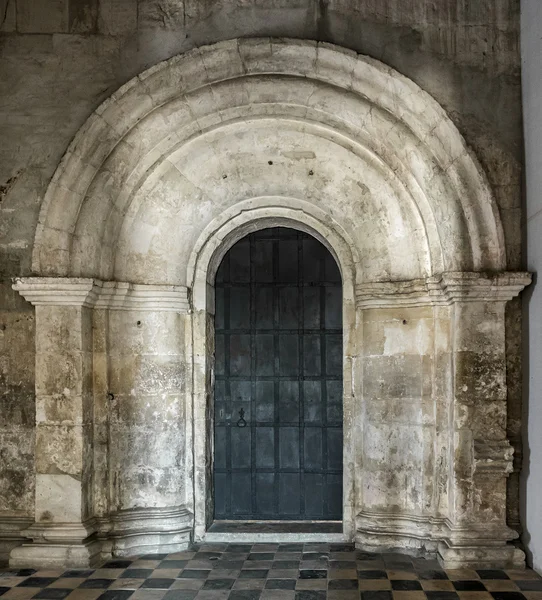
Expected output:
(155, 186)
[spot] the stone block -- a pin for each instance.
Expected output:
(8, 9)
(397, 376)
(58, 498)
(135, 409)
(479, 376)
(43, 16)
(17, 478)
(83, 16)
(59, 450)
(61, 327)
(59, 410)
(59, 373)
(117, 17)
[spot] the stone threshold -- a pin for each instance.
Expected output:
(275, 531)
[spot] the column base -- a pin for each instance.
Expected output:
(506, 556)
(57, 556)
(56, 545)
(156, 530)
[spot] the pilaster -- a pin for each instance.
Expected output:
(64, 432)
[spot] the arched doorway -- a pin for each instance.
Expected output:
(278, 448)
(158, 184)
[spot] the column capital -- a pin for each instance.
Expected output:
(94, 293)
(443, 289)
(56, 291)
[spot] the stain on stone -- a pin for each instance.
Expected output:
(6, 187)
(83, 16)
(323, 33)
(299, 154)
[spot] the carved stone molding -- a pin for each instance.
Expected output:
(93, 293)
(493, 456)
(444, 289)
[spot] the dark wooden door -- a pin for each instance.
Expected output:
(278, 387)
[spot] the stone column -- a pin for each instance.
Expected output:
(149, 482)
(63, 459)
(480, 454)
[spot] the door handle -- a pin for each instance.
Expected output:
(241, 422)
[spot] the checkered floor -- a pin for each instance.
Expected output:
(272, 571)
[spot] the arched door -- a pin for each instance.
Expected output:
(278, 390)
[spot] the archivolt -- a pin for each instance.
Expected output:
(194, 136)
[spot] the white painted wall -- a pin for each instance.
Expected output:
(531, 49)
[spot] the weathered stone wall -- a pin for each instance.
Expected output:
(60, 61)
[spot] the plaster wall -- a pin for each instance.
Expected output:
(531, 22)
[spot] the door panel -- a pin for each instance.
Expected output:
(278, 390)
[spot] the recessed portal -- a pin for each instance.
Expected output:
(278, 390)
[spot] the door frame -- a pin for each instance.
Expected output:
(216, 239)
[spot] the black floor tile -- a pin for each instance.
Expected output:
(310, 595)
(52, 593)
(343, 584)
(280, 584)
(254, 574)
(405, 585)
(117, 564)
(442, 595)
(218, 584)
(492, 574)
(508, 596)
(37, 582)
(207, 555)
(360, 555)
(341, 547)
(3, 590)
(116, 595)
(194, 574)
(261, 556)
(136, 573)
(180, 595)
(313, 574)
(245, 595)
(290, 548)
(286, 564)
(157, 583)
(342, 564)
(153, 557)
(96, 584)
(239, 548)
(370, 574)
(436, 574)
(469, 586)
(79, 573)
(229, 564)
(23, 572)
(172, 564)
(530, 585)
(376, 595)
